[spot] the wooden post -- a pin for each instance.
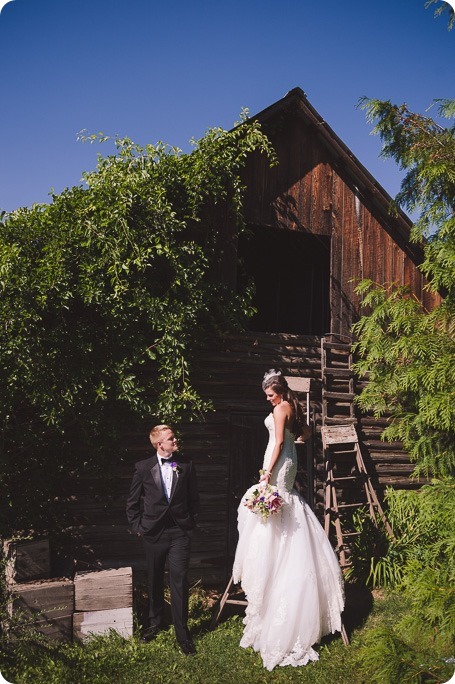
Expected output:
(301, 385)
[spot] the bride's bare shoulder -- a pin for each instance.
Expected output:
(283, 409)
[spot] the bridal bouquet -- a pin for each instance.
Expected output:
(264, 500)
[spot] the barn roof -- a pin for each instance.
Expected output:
(398, 224)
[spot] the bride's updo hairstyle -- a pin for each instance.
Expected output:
(276, 381)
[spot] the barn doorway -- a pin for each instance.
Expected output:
(247, 443)
(291, 272)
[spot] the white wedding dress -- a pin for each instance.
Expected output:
(288, 571)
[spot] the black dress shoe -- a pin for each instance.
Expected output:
(149, 634)
(187, 647)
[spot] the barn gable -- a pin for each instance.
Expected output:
(320, 190)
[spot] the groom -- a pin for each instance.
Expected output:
(162, 507)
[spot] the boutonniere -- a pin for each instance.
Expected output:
(175, 467)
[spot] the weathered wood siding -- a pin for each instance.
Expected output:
(227, 448)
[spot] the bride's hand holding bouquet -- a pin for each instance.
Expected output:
(264, 499)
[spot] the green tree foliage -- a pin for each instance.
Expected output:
(105, 294)
(408, 355)
(407, 352)
(425, 150)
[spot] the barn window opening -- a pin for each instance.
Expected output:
(291, 272)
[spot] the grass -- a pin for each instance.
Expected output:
(219, 659)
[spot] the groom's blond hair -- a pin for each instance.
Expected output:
(156, 432)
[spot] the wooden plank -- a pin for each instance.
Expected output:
(103, 589)
(337, 324)
(339, 434)
(316, 193)
(306, 164)
(338, 420)
(293, 181)
(50, 604)
(87, 623)
(47, 598)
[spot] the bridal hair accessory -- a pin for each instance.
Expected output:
(272, 373)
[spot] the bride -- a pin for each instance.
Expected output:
(286, 565)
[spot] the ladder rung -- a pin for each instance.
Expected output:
(336, 345)
(237, 602)
(352, 505)
(343, 451)
(350, 477)
(340, 372)
(347, 396)
(339, 421)
(350, 534)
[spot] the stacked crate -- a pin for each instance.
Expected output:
(103, 601)
(61, 608)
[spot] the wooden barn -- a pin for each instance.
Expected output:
(318, 223)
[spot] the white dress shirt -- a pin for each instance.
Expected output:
(166, 475)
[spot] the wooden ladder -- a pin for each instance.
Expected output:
(344, 465)
(341, 447)
(300, 386)
(337, 380)
(226, 598)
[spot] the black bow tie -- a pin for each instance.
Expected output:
(165, 460)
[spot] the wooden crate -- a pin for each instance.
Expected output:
(103, 590)
(51, 605)
(102, 621)
(26, 560)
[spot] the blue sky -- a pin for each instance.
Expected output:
(169, 69)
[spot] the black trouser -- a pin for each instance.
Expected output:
(174, 545)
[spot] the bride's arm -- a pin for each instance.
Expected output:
(280, 415)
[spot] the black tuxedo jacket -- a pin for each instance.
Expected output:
(147, 503)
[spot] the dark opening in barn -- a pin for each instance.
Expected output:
(291, 272)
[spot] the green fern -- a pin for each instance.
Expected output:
(420, 560)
